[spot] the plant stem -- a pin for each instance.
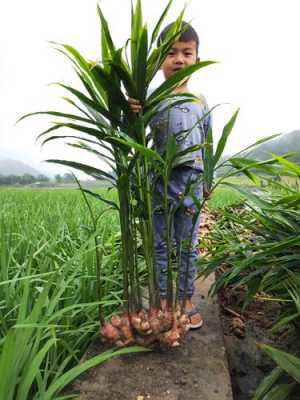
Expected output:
(127, 243)
(136, 269)
(145, 238)
(144, 189)
(167, 214)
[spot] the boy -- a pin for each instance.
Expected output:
(183, 53)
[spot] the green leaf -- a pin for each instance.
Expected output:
(93, 105)
(63, 115)
(280, 392)
(285, 321)
(191, 149)
(151, 111)
(28, 277)
(247, 194)
(239, 163)
(91, 115)
(136, 29)
(85, 68)
(105, 158)
(7, 366)
(99, 197)
(94, 172)
(171, 150)
(172, 82)
(90, 90)
(141, 65)
(106, 36)
(81, 128)
(225, 134)
(260, 141)
(263, 166)
(208, 160)
(125, 77)
(243, 163)
(267, 383)
(243, 151)
(105, 51)
(159, 54)
(145, 151)
(286, 361)
(115, 94)
(82, 68)
(290, 166)
(30, 374)
(156, 30)
(291, 201)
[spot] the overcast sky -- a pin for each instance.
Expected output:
(256, 43)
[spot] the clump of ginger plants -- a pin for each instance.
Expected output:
(106, 127)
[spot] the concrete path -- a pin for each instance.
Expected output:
(197, 370)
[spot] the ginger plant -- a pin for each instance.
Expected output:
(105, 126)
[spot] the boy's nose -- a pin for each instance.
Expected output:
(179, 59)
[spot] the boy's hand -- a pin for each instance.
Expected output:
(134, 104)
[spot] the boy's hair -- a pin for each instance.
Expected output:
(186, 36)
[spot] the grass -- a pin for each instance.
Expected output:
(240, 180)
(223, 197)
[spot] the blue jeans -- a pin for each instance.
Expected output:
(184, 228)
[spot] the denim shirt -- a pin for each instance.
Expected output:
(174, 120)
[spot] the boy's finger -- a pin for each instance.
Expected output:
(133, 101)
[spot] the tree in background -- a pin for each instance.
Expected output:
(58, 178)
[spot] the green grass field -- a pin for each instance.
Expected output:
(224, 197)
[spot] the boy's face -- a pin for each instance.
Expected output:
(181, 55)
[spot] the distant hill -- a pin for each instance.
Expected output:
(288, 142)
(9, 166)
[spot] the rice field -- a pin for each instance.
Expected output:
(48, 293)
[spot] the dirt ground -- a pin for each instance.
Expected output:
(197, 370)
(162, 374)
(248, 365)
